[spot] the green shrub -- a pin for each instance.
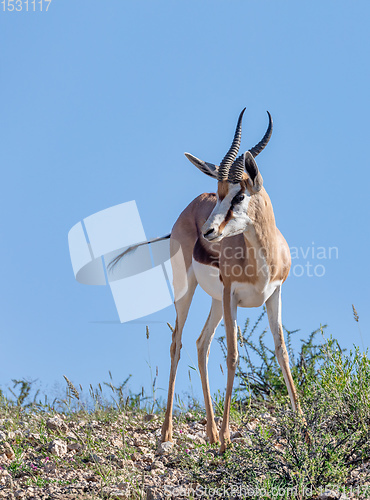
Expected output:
(301, 456)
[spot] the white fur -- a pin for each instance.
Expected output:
(208, 278)
(238, 224)
(248, 295)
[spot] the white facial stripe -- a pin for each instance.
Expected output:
(222, 207)
(240, 220)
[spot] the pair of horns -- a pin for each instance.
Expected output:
(232, 168)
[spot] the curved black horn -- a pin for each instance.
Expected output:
(236, 170)
(263, 142)
(230, 156)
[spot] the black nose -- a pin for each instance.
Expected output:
(208, 233)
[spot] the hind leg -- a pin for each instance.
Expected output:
(203, 345)
(273, 306)
(182, 307)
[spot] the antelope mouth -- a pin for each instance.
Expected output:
(210, 237)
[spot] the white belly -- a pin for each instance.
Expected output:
(208, 278)
(247, 295)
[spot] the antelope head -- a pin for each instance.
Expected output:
(238, 180)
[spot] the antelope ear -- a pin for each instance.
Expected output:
(205, 167)
(255, 178)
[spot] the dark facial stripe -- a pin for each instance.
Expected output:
(229, 216)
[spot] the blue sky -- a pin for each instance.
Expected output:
(99, 102)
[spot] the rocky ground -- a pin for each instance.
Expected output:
(58, 457)
(112, 455)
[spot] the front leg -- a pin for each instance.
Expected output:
(230, 307)
(273, 306)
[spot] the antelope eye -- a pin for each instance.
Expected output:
(237, 199)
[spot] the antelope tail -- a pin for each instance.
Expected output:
(115, 261)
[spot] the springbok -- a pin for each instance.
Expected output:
(231, 246)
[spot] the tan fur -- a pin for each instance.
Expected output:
(229, 307)
(241, 250)
(244, 259)
(188, 226)
(270, 239)
(187, 233)
(222, 189)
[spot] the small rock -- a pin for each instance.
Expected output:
(188, 415)
(2, 436)
(148, 458)
(124, 488)
(115, 493)
(144, 450)
(138, 443)
(95, 459)
(265, 416)
(9, 451)
(70, 435)
(117, 442)
(242, 440)
(164, 448)
(33, 437)
(11, 435)
(6, 479)
(49, 467)
(251, 426)
(154, 494)
(4, 459)
(92, 479)
(236, 435)
(149, 417)
(135, 457)
(74, 446)
(157, 464)
(203, 421)
(196, 438)
(269, 418)
(58, 448)
(329, 495)
(56, 424)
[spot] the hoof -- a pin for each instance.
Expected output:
(223, 448)
(214, 440)
(213, 437)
